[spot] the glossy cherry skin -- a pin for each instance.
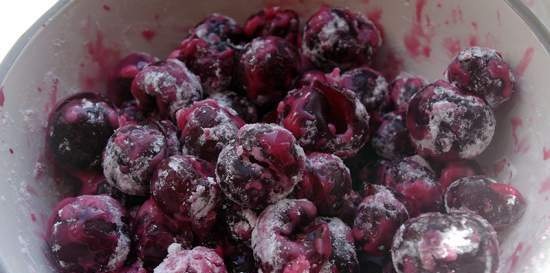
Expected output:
(500, 204)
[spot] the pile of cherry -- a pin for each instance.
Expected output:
(311, 163)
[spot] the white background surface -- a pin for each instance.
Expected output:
(16, 16)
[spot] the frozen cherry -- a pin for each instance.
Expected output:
(455, 170)
(446, 124)
(240, 221)
(130, 113)
(199, 259)
(500, 204)
(239, 258)
(88, 235)
(325, 119)
(78, 130)
(184, 188)
(369, 85)
(244, 107)
(289, 239)
(414, 183)
(131, 156)
(378, 217)
(391, 140)
(483, 72)
(217, 28)
(326, 182)
(213, 63)
(453, 243)
(166, 86)
(261, 166)
(123, 75)
(170, 132)
(206, 127)
(336, 37)
(136, 267)
(154, 232)
(267, 69)
(273, 21)
(403, 88)
(310, 77)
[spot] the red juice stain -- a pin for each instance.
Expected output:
(452, 46)
(519, 251)
(475, 26)
(525, 61)
(39, 89)
(545, 153)
(516, 123)
(473, 40)
(148, 34)
(456, 15)
(103, 57)
(545, 186)
(11, 150)
(389, 63)
(2, 96)
(418, 40)
(106, 7)
(515, 257)
(521, 145)
(375, 16)
(88, 83)
(33, 217)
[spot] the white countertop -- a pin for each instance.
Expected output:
(16, 17)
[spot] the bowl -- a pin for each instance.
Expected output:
(72, 45)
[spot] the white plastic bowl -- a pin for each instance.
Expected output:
(76, 41)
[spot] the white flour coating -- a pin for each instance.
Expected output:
(380, 91)
(197, 259)
(328, 36)
(420, 161)
(134, 181)
(221, 133)
(343, 247)
(202, 198)
(121, 252)
(477, 52)
(173, 83)
(258, 155)
(379, 201)
(115, 213)
(202, 204)
(457, 238)
(450, 113)
(267, 243)
(407, 171)
(247, 223)
(384, 139)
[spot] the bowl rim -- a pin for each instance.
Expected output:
(541, 32)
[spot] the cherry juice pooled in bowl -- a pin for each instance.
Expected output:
(241, 152)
